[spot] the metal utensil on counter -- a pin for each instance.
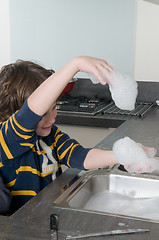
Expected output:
(114, 232)
(54, 226)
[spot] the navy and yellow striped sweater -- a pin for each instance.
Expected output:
(28, 162)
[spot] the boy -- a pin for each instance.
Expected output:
(32, 148)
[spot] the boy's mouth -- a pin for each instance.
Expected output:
(47, 127)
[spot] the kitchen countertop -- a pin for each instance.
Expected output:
(32, 220)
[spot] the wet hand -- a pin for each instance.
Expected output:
(98, 67)
(135, 157)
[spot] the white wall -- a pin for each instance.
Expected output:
(146, 61)
(23, 34)
(54, 31)
(4, 33)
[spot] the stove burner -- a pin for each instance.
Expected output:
(94, 100)
(91, 106)
(62, 102)
(87, 105)
(81, 104)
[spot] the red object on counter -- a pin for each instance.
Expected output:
(68, 88)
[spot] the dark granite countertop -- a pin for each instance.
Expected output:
(32, 220)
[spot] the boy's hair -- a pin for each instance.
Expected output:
(17, 82)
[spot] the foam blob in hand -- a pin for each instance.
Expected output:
(123, 89)
(93, 78)
(138, 158)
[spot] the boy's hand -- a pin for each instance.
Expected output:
(134, 156)
(98, 67)
(152, 163)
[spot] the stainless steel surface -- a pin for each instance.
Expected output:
(118, 194)
(108, 233)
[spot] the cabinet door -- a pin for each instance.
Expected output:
(147, 41)
(86, 136)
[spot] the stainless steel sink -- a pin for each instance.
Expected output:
(116, 194)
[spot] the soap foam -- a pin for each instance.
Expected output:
(123, 89)
(93, 78)
(128, 152)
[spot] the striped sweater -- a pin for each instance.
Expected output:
(28, 162)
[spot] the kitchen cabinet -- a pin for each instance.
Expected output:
(146, 57)
(85, 135)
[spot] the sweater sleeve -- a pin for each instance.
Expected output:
(69, 151)
(18, 133)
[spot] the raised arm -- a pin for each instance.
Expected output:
(48, 92)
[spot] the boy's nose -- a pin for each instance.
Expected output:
(51, 115)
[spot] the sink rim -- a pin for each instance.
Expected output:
(64, 198)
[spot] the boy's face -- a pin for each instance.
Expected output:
(44, 126)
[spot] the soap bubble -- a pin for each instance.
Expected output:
(137, 157)
(151, 152)
(93, 78)
(123, 89)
